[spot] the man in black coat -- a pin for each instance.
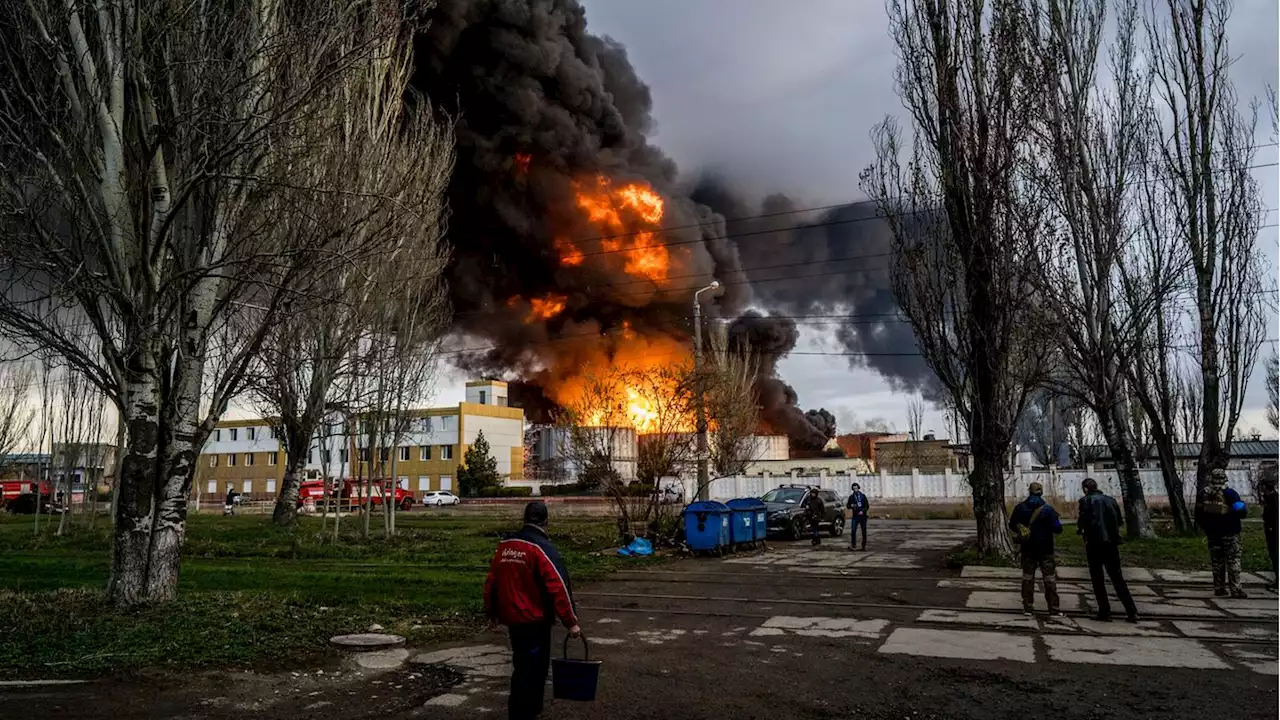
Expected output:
(1099, 522)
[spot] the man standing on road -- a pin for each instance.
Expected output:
(1218, 512)
(815, 509)
(1269, 497)
(1034, 523)
(1099, 522)
(859, 507)
(527, 589)
(230, 507)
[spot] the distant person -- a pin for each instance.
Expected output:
(527, 589)
(859, 507)
(1034, 523)
(230, 507)
(815, 509)
(1099, 522)
(1270, 503)
(1218, 512)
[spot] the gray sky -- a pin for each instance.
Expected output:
(780, 95)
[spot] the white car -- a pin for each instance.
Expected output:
(437, 498)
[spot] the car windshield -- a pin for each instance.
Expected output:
(784, 495)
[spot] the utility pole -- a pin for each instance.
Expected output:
(704, 479)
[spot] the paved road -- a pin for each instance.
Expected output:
(826, 633)
(802, 632)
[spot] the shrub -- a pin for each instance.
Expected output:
(565, 489)
(498, 491)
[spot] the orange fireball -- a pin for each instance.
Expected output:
(627, 216)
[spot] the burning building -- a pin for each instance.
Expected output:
(575, 244)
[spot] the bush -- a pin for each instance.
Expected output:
(498, 491)
(566, 489)
(637, 490)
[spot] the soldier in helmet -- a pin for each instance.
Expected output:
(1219, 510)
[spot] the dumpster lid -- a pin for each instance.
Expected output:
(746, 504)
(706, 506)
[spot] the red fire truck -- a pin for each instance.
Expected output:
(19, 496)
(353, 492)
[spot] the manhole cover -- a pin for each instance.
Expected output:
(367, 641)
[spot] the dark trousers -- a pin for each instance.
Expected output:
(1048, 567)
(814, 528)
(1106, 556)
(530, 659)
(858, 521)
(1271, 534)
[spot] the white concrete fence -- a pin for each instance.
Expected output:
(952, 487)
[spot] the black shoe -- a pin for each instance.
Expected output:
(1133, 618)
(1102, 618)
(1239, 594)
(1220, 592)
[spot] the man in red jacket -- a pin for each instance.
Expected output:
(527, 589)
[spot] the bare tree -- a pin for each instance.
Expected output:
(16, 414)
(964, 220)
(1089, 141)
(733, 407)
(1206, 152)
(597, 430)
(142, 147)
(393, 163)
(915, 416)
(1273, 391)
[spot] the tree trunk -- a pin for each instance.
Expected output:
(1212, 454)
(286, 510)
(987, 484)
(1173, 487)
(1115, 431)
(131, 546)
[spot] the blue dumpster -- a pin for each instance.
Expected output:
(706, 526)
(743, 528)
(756, 508)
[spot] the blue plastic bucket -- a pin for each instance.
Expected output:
(573, 679)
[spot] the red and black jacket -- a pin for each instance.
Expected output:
(528, 582)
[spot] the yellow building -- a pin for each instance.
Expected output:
(247, 454)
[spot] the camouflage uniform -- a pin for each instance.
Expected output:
(1224, 555)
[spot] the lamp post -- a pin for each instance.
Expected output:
(704, 492)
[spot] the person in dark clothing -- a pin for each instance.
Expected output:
(859, 508)
(230, 507)
(1034, 523)
(527, 589)
(1270, 504)
(1099, 522)
(1218, 512)
(814, 508)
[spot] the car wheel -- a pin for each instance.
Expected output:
(837, 527)
(406, 505)
(797, 529)
(439, 503)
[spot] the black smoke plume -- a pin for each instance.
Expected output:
(771, 338)
(833, 268)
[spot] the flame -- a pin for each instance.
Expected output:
(643, 398)
(640, 411)
(522, 161)
(545, 308)
(616, 210)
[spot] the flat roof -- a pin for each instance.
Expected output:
(478, 383)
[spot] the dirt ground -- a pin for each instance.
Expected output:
(794, 632)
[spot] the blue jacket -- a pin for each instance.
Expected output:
(1220, 519)
(1047, 524)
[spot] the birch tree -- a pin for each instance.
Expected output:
(17, 379)
(393, 162)
(1089, 140)
(1273, 391)
(964, 220)
(142, 144)
(1205, 153)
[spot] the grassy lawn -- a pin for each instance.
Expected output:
(252, 594)
(1169, 551)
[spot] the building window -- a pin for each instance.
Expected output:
(271, 486)
(251, 433)
(271, 458)
(342, 455)
(448, 422)
(234, 433)
(217, 436)
(364, 455)
(446, 452)
(424, 483)
(483, 396)
(384, 453)
(248, 487)
(403, 482)
(502, 401)
(328, 456)
(404, 453)
(272, 431)
(213, 461)
(424, 452)
(446, 482)
(248, 459)
(231, 461)
(213, 487)
(427, 424)
(311, 457)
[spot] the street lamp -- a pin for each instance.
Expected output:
(704, 491)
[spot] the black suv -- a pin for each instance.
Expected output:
(786, 515)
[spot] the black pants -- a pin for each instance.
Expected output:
(530, 659)
(858, 521)
(1106, 556)
(1271, 533)
(815, 530)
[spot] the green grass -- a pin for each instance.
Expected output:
(1167, 551)
(252, 594)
